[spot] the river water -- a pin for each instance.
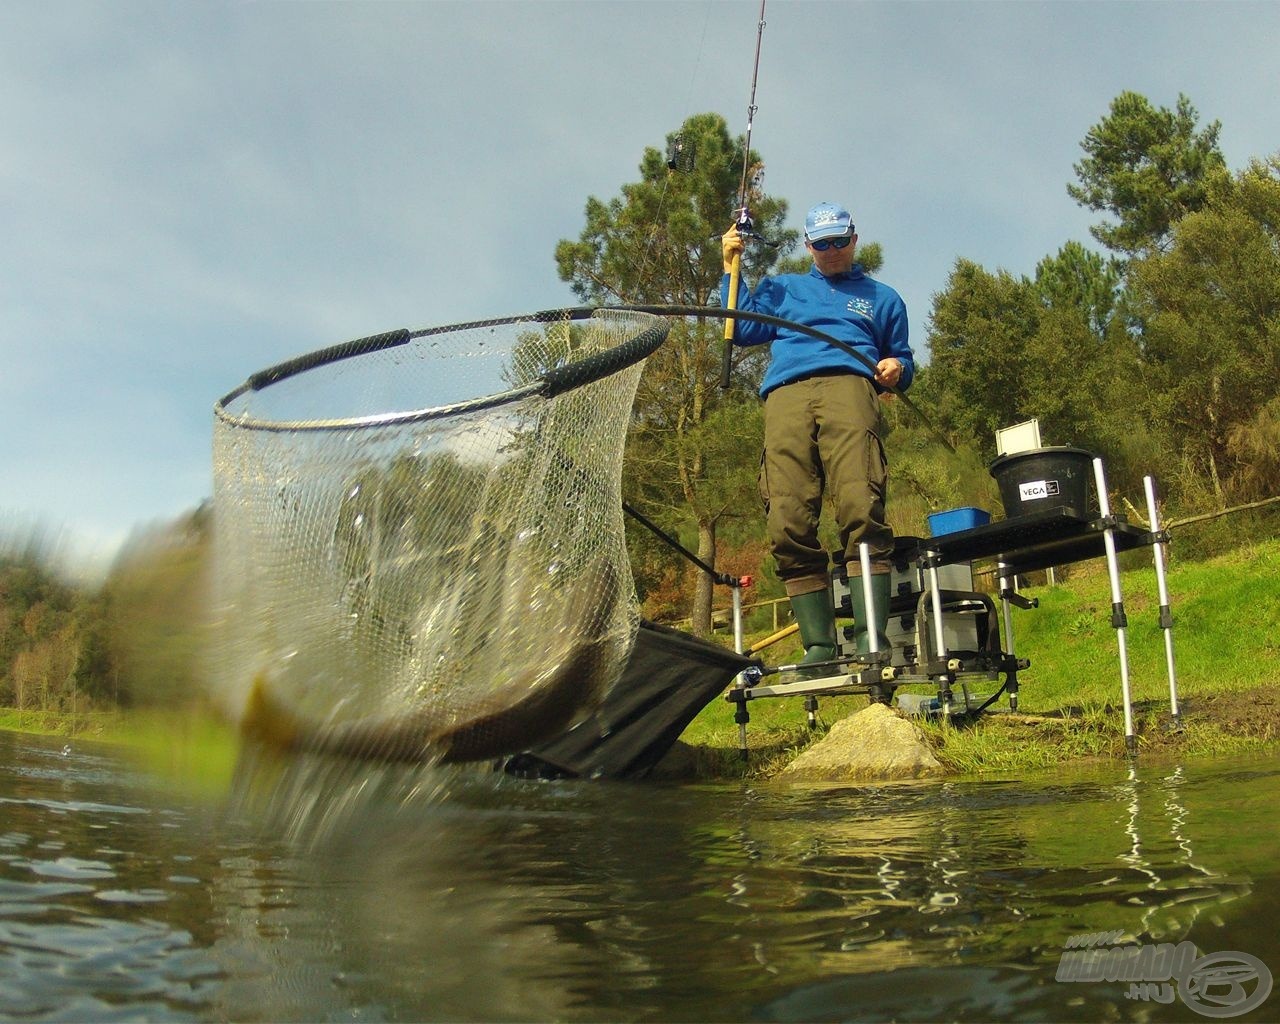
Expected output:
(323, 891)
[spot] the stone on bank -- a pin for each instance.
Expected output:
(875, 744)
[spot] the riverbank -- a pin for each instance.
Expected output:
(1226, 621)
(1226, 615)
(200, 751)
(1219, 724)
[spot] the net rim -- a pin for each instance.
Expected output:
(550, 384)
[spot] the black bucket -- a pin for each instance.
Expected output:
(1046, 478)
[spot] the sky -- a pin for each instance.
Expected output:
(191, 192)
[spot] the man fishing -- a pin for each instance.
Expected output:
(822, 423)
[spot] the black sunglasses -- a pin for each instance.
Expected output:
(823, 244)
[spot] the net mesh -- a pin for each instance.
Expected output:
(418, 537)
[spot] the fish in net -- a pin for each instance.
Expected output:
(418, 548)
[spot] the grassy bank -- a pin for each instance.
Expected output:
(191, 748)
(1227, 651)
(1227, 642)
(58, 723)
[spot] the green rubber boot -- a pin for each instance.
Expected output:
(816, 616)
(880, 595)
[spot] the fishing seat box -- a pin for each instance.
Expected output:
(907, 582)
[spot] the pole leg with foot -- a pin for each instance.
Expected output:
(940, 667)
(741, 716)
(1166, 614)
(1118, 619)
(1006, 606)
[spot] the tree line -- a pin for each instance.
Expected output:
(133, 639)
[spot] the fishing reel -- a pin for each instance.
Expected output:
(747, 230)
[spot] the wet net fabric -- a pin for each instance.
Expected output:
(418, 537)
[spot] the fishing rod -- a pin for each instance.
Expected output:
(743, 214)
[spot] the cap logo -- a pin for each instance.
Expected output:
(826, 217)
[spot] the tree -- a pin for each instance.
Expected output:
(1148, 168)
(1080, 279)
(1256, 445)
(658, 244)
(1085, 379)
(1055, 348)
(1212, 309)
(40, 620)
(979, 329)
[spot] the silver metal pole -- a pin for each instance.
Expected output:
(939, 634)
(737, 638)
(1006, 605)
(1117, 605)
(1006, 585)
(737, 618)
(1166, 614)
(868, 599)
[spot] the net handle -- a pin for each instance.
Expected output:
(335, 353)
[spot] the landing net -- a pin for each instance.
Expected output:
(418, 537)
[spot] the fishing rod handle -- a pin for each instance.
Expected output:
(726, 365)
(735, 276)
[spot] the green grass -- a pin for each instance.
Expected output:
(1226, 631)
(190, 748)
(57, 723)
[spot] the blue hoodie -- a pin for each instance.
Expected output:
(856, 309)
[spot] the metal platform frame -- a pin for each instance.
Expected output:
(1016, 545)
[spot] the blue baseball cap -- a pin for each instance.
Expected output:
(827, 220)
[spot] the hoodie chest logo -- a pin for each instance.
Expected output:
(860, 306)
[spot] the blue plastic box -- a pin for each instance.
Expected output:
(955, 519)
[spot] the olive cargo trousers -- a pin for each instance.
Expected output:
(823, 433)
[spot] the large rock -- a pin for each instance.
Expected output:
(876, 743)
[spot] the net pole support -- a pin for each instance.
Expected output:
(1166, 613)
(738, 641)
